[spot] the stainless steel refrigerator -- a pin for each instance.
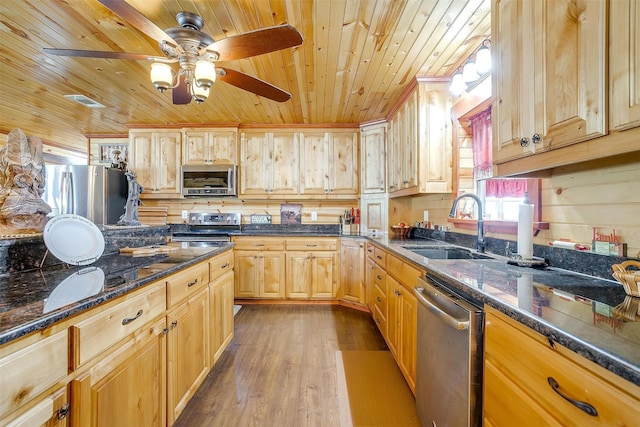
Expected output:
(94, 192)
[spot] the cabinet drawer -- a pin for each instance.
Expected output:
(405, 273)
(185, 283)
(312, 244)
(380, 257)
(101, 331)
(534, 362)
(371, 251)
(260, 244)
(380, 299)
(380, 320)
(220, 265)
(379, 276)
(31, 370)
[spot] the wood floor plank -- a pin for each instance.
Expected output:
(280, 368)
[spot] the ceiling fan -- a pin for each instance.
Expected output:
(197, 52)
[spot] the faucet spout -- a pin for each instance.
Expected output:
(481, 243)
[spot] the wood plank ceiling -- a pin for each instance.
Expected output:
(356, 59)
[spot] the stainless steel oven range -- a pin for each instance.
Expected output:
(208, 229)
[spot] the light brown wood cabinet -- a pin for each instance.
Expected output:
(373, 171)
(269, 163)
(127, 387)
(51, 411)
(259, 267)
(624, 64)
(311, 268)
(221, 304)
(210, 145)
(420, 142)
(155, 158)
(329, 162)
(520, 372)
(549, 75)
(352, 271)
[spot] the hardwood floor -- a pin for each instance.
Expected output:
(280, 368)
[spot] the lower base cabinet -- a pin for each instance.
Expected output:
(127, 387)
(52, 411)
(521, 370)
(188, 351)
(221, 308)
(352, 271)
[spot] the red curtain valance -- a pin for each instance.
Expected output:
(506, 187)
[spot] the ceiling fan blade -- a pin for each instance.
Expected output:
(251, 84)
(256, 42)
(180, 93)
(137, 19)
(97, 54)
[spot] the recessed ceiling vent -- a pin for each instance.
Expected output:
(87, 102)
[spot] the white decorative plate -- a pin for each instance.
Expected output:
(73, 239)
(80, 285)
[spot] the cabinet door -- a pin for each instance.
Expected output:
(325, 273)
(624, 64)
(224, 146)
(195, 147)
(372, 141)
(352, 271)
(167, 162)
(298, 283)
(512, 78)
(343, 163)
(409, 142)
(255, 167)
(141, 151)
(247, 274)
(283, 158)
(409, 337)
(570, 67)
(395, 154)
(50, 411)
(314, 154)
(369, 283)
(126, 388)
(272, 282)
(221, 315)
(188, 351)
(394, 310)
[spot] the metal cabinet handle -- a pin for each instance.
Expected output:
(524, 142)
(225, 265)
(536, 139)
(379, 277)
(128, 320)
(309, 245)
(258, 244)
(405, 182)
(190, 284)
(379, 257)
(583, 406)
(378, 299)
(62, 413)
(397, 293)
(174, 324)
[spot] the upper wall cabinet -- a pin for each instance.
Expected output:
(209, 146)
(329, 162)
(550, 74)
(269, 163)
(373, 172)
(154, 156)
(551, 60)
(624, 68)
(420, 142)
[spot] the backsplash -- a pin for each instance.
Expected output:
(583, 262)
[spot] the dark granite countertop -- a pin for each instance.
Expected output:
(581, 312)
(24, 296)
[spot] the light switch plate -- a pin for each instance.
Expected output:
(314, 216)
(185, 214)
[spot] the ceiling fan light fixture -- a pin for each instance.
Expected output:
(199, 93)
(205, 73)
(161, 76)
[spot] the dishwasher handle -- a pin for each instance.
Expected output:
(459, 324)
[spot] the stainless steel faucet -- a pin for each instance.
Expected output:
(480, 245)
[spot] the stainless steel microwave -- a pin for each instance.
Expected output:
(209, 180)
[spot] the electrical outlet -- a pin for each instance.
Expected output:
(314, 216)
(185, 214)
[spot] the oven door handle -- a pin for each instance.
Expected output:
(433, 307)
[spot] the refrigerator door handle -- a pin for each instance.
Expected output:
(66, 193)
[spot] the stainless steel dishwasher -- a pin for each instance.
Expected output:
(449, 357)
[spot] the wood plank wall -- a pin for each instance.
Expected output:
(328, 211)
(602, 193)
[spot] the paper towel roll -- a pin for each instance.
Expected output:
(525, 230)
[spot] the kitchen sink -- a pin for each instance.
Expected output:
(447, 253)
